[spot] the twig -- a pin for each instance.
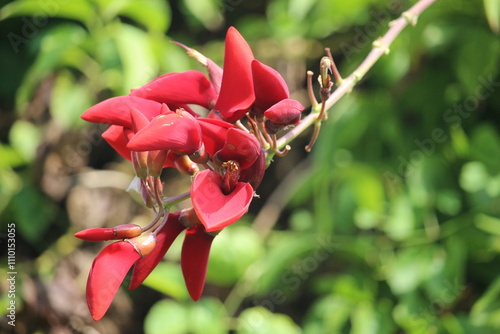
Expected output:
(380, 47)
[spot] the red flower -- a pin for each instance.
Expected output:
(164, 239)
(179, 133)
(155, 127)
(216, 209)
(109, 269)
(285, 112)
(190, 87)
(194, 259)
(269, 86)
(236, 92)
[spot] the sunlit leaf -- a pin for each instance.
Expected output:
(227, 267)
(167, 279)
(259, 320)
(492, 10)
(43, 11)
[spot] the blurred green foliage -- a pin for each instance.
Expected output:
(390, 225)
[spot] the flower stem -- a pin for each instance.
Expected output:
(380, 47)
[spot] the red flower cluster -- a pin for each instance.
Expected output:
(156, 127)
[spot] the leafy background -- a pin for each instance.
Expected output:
(390, 225)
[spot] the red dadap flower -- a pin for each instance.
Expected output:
(155, 127)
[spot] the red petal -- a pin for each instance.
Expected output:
(138, 119)
(214, 133)
(269, 86)
(117, 139)
(194, 259)
(285, 112)
(164, 240)
(106, 275)
(190, 87)
(168, 132)
(255, 172)
(240, 146)
(215, 209)
(116, 110)
(96, 234)
(236, 93)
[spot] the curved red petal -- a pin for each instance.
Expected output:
(116, 138)
(106, 275)
(240, 146)
(215, 209)
(236, 92)
(96, 234)
(164, 240)
(168, 132)
(285, 112)
(194, 259)
(116, 110)
(255, 172)
(269, 86)
(190, 87)
(214, 133)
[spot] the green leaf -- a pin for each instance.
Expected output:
(25, 138)
(167, 278)
(80, 10)
(211, 317)
(473, 67)
(259, 320)
(155, 15)
(474, 176)
(328, 315)
(486, 308)
(167, 314)
(207, 316)
(53, 55)
(206, 11)
(412, 266)
(492, 10)
(33, 213)
(487, 224)
(291, 259)
(69, 99)
(401, 220)
(136, 54)
(228, 267)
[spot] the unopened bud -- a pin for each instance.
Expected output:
(188, 218)
(185, 165)
(156, 160)
(96, 234)
(200, 156)
(140, 163)
(127, 231)
(117, 232)
(143, 244)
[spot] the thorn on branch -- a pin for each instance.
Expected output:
(379, 45)
(410, 18)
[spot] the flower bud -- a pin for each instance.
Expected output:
(117, 232)
(143, 244)
(188, 218)
(140, 163)
(185, 165)
(156, 160)
(127, 231)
